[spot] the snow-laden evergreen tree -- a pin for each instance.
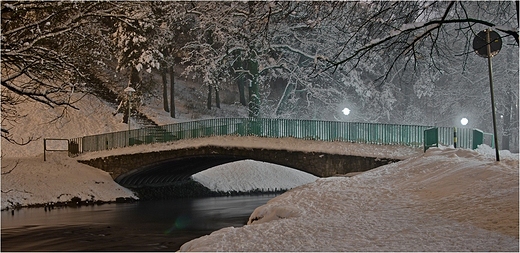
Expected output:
(135, 49)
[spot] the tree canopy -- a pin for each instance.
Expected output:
(388, 61)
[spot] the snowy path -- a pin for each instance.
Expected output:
(446, 200)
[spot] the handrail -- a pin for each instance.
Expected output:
(371, 133)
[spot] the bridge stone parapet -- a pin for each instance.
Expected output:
(167, 166)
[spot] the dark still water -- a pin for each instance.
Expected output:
(142, 226)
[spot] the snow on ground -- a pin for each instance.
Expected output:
(26, 179)
(94, 117)
(246, 175)
(445, 200)
(30, 181)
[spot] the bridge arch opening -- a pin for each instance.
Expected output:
(173, 168)
(224, 174)
(172, 171)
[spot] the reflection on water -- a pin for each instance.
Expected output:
(143, 226)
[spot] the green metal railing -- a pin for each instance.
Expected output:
(371, 133)
(466, 137)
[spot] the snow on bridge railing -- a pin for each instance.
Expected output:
(371, 133)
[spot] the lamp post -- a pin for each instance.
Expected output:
(464, 121)
(129, 91)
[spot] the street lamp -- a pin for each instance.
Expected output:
(346, 111)
(129, 91)
(464, 121)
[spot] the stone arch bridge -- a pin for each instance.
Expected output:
(161, 168)
(167, 167)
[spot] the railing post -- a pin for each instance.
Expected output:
(478, 138)
(44, 149)
(455, 137)
(431, 138)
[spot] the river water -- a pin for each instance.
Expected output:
(141, 226)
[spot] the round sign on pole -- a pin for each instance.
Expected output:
(480, 43)
(487, 44)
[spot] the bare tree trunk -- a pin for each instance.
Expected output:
(172, 92)
(165, 89)
(283, 100)
(254, 94)
(241, 90)
(217, 97)
(208, 104)
(241, 80)
(134, 82)
(125, 111)
(135, 79)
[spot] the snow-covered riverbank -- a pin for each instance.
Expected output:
(31, 181)
(446, 200)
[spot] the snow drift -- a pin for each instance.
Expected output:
(31, 181)
(446, 200)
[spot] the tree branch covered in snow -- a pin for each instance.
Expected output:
(48, 52)
(388, 61)
(406, 31)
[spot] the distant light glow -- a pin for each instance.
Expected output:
(346, 111)
(464, 121)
